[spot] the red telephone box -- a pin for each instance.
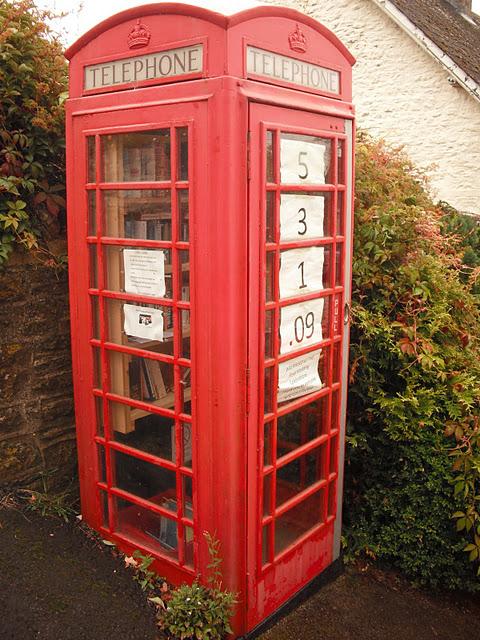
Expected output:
(210, 233)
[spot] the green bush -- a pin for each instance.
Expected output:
(33, 82)
(415, 380)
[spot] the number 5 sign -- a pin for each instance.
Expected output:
(302, 162)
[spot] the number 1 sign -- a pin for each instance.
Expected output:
(301, 271)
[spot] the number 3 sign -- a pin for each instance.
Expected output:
(301, 216)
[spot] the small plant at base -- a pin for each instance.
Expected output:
(197, 611)
(145, 577)
(53, 506)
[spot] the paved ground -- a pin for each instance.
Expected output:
(57, 584)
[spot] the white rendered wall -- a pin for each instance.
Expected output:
(401, 94)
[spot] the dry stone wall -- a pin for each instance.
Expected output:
(37, 433)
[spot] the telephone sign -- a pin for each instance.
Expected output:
(210, 173)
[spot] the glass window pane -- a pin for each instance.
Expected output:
(104, 508)
(187, 444)
(95, 311)
(184, 329)
(270, 277)
(184, 280)
(301, 473)
(147, 528)
(144, 214)
(146, 275)
(305, 159)
(332, 498)
(298, 520)
(188, 535)
(185, 389)
(92, 212)
(341, 161)
(91, 159)
(266, 552)
(150, 433)
(140, 325)
(141, 379)
(97, 368)
(187, 493)
(333, 468)
(270, 157)
(340, 212)
(269, 332)
(136, 157)
(267, 494)
(92, 249)
(182, 153)
(102, 465)
(146, 480)
(270, 217)
(183, 216)
(268, 390)
(268, 444)
(99, 415)
(301, 426)
(339, 265)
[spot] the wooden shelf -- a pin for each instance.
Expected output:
(167, 402)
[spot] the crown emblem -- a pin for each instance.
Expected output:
(139, 36)
(298, 41)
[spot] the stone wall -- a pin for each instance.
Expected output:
(37, 433)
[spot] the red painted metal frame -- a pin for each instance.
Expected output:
(311, 552)
(227, 209)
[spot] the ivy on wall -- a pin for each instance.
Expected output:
(33, 83)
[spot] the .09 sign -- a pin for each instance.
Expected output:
(301, 325)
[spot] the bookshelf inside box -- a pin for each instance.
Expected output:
(123, 210)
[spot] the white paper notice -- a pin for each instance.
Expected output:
(301, 325)
(143, 322)
(301, 271)
(299, 377)
(302, 162)
(144, 272)
(301, 216)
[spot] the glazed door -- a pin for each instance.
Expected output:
(299, 282)
(133, 326)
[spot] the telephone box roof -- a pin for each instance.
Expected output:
(211, 16)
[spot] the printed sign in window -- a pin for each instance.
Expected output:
(301, 217)
(301, 325)
(299, 376)
(143, 322)
(144, 272)
(302, 162)
(301, 271)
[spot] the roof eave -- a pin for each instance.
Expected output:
(456, 72)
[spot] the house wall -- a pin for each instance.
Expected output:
(37, 429)
(401, 94)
